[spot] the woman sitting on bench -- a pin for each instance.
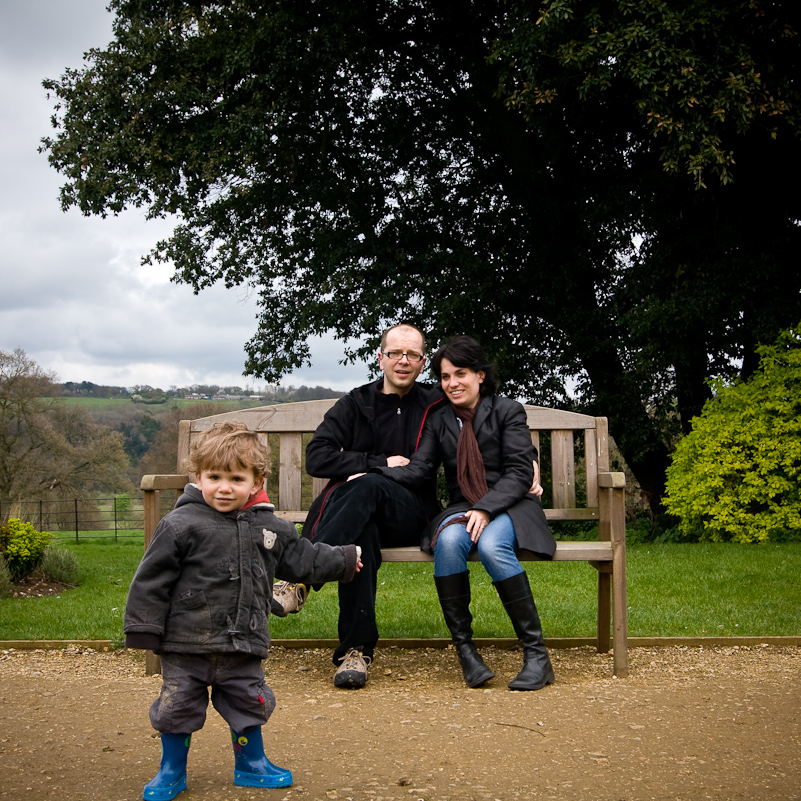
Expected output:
(484, 443)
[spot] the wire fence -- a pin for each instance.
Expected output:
(83, 518)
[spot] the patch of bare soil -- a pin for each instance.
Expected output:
(689, 723)
(38, 587)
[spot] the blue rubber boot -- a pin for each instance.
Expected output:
(171, 778)
(251, 766)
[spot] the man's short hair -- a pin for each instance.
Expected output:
(229, 446)
(402, 325)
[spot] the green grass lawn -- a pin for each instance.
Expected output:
(674, 590)
(92, 611)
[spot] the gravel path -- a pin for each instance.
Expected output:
(689, 723)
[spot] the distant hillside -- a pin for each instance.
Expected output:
(148, 429)
(146, 394)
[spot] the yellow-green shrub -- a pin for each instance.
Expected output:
(22, 547)
(736, 475)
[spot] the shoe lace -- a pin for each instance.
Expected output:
(287, 588)
(355, 660)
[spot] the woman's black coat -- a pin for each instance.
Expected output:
(504, 440)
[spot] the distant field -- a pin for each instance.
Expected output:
(99, 403)
(96, 402)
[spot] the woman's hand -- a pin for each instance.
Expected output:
(477, 521)
(536, 489)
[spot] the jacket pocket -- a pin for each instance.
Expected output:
(258, 623)
(189, 620)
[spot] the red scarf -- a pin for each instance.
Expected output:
(470, 472)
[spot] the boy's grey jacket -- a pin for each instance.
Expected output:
(205, 582)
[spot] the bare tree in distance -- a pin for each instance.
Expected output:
(49, 448)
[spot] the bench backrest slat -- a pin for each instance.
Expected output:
(563, 470)
(591, 465)
(289, 477)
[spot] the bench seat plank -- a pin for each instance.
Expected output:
(590, 551)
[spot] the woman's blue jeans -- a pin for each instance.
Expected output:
(496, 549)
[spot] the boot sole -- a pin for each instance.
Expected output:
(352, 680)
(242, 779)
(482, 680)
(165, 793)
(549, 680)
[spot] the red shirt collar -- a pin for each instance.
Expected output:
(260, 497)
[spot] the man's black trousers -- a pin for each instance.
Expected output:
(373, 512)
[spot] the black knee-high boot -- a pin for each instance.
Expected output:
(515, 594)
(454, 597)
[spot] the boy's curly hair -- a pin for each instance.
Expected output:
(229, 446)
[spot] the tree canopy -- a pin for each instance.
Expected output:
(604, 193)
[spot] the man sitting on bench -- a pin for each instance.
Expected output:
(378, 424)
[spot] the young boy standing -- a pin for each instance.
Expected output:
(200, 598)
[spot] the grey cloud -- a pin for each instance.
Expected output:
(73, 294)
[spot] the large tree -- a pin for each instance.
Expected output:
(603, 192)
(48, 447)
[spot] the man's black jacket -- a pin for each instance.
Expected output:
(346, 442)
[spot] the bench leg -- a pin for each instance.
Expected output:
(152, 664)
(620, 630)
(612, 528)
(604, 607)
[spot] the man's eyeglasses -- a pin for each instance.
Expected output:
(397, 355)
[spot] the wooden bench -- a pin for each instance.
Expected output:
(604, 495)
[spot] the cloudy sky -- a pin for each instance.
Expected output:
(73, 294)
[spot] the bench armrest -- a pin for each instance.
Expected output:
(172, 482)
(612, 480)
(151, 485)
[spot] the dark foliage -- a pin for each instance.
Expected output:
(604, 193)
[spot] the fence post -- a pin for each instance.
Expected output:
(76, 520)
(41, 516)
(114, 504)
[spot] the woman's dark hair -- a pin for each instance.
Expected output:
(466, 352)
